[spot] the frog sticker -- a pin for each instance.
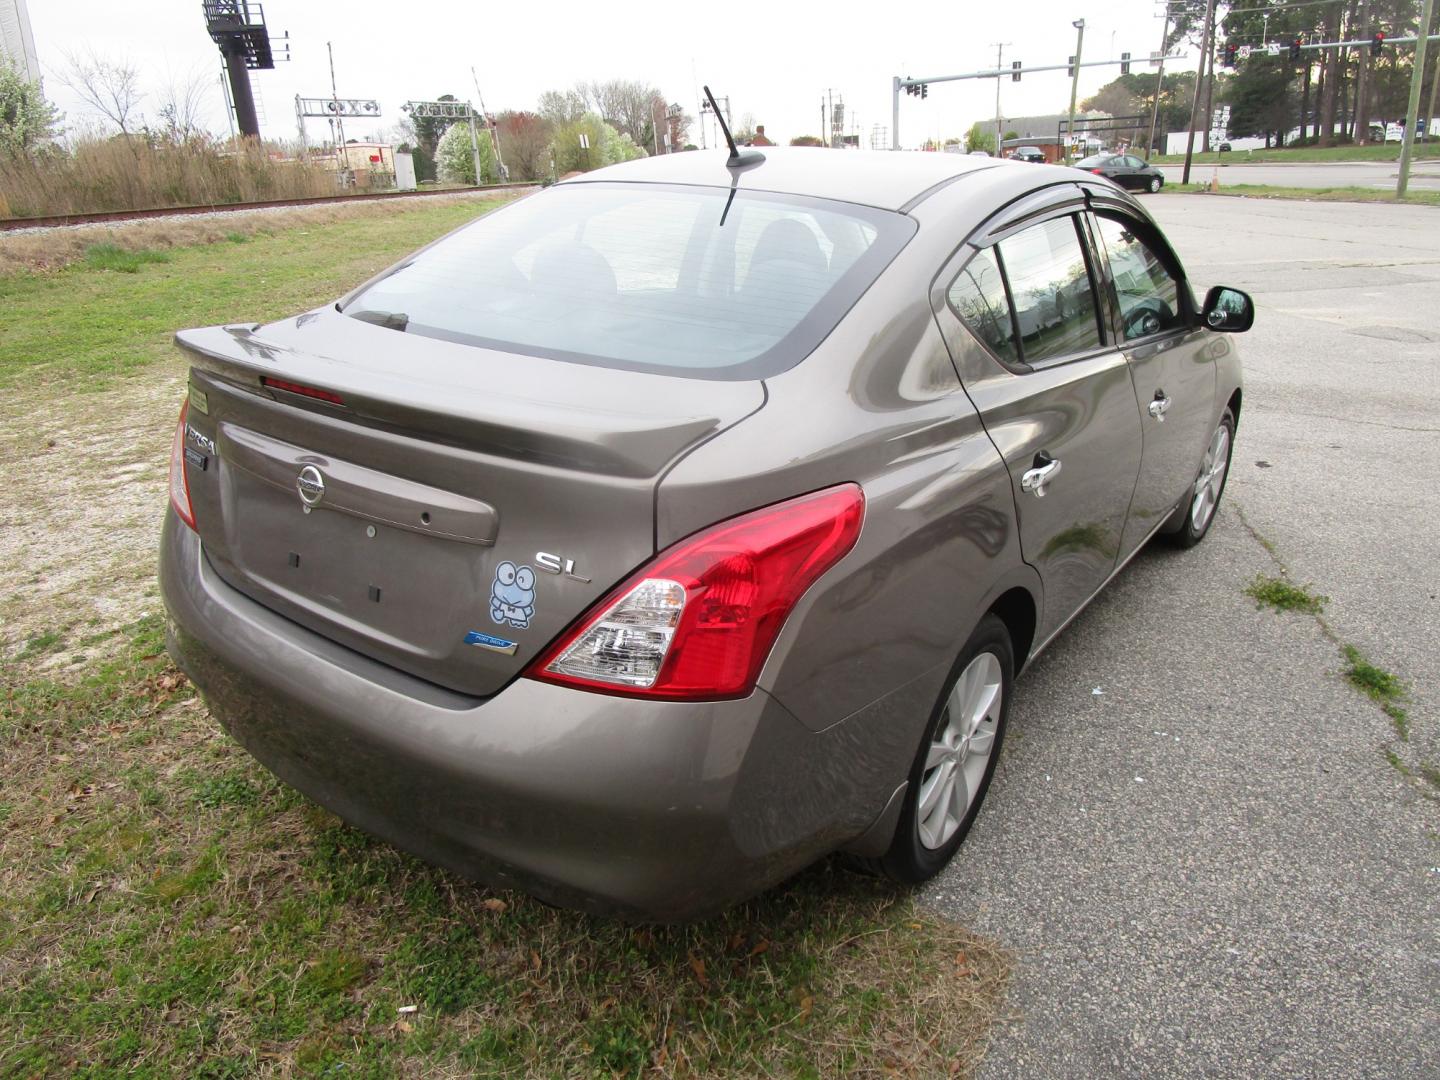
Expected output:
(512, 595)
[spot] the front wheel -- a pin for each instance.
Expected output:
(1155, 183)
(957, 757)
(1203, 498)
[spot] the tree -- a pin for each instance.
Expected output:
(182, 103)
(561, 106)
(607, 146)
(629, 106)
(110, 87)
(455, 158)
(1134, 95)
(27, 121)
(525, 144)
(980, 139)
(1262, 98)
(430, 129)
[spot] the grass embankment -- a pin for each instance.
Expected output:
(1331, 194)
(1388, 152)
(169, 909)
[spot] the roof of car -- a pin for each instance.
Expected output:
(890, 180)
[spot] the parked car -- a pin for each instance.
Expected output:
(1032, 154)
(1127, 170)
(657, 534)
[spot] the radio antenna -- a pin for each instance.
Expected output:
(738, 158)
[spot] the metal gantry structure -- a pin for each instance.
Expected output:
(238, 28)
(452, 110)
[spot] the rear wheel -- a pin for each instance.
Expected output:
(1155, 183)
(957, 757)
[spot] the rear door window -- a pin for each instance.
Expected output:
(978, 297)
(1050, 288)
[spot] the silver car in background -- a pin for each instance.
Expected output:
(658, 534)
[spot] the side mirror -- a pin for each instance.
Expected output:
(1228, 310)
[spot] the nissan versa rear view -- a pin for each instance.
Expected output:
(664, 531)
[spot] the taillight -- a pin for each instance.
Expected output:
(1098, 172)
(179, 481)
(302, 390)
(698, 622)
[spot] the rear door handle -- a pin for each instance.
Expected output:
(1034, 480)
(1160, 406)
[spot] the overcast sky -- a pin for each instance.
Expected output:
(774, 60)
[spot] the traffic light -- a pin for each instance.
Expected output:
(924, 90)
(1377, 43)
(1070, 70)
(1124, 63)
(1231, 52)
(1015, 71)
(1295, 49)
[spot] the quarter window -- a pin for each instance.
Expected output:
(1050, 289)
(1148, 295)
(978, 297)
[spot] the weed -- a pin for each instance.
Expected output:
(1283, 596)
(1400, 718)
(39, 644)
(113, 257)
(1381, 685)
(237, 238)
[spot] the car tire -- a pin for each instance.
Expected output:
(1196, 512)
(1154, 184)
(927, 837)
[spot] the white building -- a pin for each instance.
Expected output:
(17, 41)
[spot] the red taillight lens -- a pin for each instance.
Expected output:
(179, 481)
(698, 622)
(1098, 172)
(303, 391)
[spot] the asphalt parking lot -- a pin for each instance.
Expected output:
(1195, 843)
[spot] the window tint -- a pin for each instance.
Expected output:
(978, 297)
(1149, 297)
(1050, 287)
(645, 276)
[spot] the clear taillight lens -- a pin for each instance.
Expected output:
(179, 481)
(699, 621)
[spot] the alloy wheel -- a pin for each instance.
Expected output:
(957, 759)
(1211, 479)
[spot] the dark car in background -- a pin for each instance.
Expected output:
(660, 533)
(1032, 154)
(1127, 170)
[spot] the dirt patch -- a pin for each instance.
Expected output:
(84, 477)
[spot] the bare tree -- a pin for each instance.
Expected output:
(563, 106)
(525, 142)
(625, 104)
(110, 87)
(182, 104)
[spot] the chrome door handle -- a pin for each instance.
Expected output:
(1034, 480)
(1159, 407)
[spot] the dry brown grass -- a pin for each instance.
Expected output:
(99, 174)
(50, 249)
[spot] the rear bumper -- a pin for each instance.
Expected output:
(656, 810)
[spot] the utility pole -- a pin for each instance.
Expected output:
(1417, 76)
(999, 56)
(1159, 85)
(1079, 25)
(1199, 78)
(339, 120)
(895, 113)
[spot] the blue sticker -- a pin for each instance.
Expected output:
(512, 596)
(494, 644)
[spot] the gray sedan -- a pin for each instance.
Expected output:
(667, 530)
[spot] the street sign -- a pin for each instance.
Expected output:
(1244, 52)
(1272, 49)
(584, 141)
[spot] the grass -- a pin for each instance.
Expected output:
(1281, 595)
(1385, 688)
(89, 329)
(1389, 152)
(168, 908)
(1326, 194)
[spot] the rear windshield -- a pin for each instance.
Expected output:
(705, 282)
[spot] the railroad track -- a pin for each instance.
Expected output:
(56, 220)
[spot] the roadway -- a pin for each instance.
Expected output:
(1195, 844)
(1424, 175)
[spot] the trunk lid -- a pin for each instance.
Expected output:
(457, 508)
